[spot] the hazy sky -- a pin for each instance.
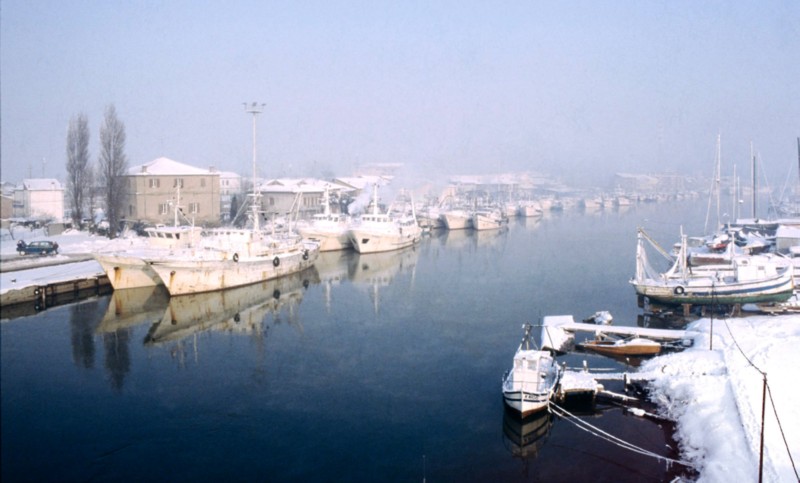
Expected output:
(566, 87)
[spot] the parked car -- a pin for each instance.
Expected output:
(41, 247)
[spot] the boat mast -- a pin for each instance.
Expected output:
(255, 109)
(753, 177)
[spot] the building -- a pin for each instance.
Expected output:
(230, 185)
(151, 190)
(296, 197)
(41, 198)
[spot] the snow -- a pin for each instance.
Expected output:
(167, 167)
(72, 244)
(713, 395)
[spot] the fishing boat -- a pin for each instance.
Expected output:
(457, 219)
(532, 380)
(330, 230)
(489, 219)
(129, 268)
(747, 279)
(382, 232)
(635, 346)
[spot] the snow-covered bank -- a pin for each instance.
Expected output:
(715, 397)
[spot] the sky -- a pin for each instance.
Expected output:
(577, 89)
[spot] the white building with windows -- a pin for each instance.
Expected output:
(39, 198)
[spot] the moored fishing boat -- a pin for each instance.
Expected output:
(532, 380)
(488, 219)
(747, 279)
(381, 232)
(129, 268)
(330, 230)
(457, 219)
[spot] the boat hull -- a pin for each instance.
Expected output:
(457, 221)
(329, 241)
(365, 241)
(707, 291)
(621, 350)
(127, 271)
(195, 275)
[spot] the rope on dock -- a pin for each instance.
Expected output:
(595, 431)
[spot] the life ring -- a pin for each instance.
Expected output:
(679, 290)
(236, 257)
(276, 261)
(305, 255)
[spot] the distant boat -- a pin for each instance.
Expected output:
(457, 219)
(488, 219)
(532, 380)
(747, 279)
(330, 230)
(381, 232)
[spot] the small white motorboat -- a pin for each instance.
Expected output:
(533, 378)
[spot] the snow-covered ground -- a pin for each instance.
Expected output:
(714, 395)
(71, 244)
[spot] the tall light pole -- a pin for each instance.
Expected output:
(255, 109)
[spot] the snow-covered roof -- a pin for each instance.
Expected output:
(785, 231)
(361, 182)
(168, 167)
(295, 185)
(40, 184)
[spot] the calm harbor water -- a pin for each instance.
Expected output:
(380, 367)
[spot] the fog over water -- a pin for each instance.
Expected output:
(578, 90)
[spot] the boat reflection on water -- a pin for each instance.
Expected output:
(134, 306)
(375, 270)
(524, 437)
(334, 267)
(240, 309)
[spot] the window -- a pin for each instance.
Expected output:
(163, 208)
(178, 183)
(130, 210)
(155, 182)
(202, 182)
(194, 207)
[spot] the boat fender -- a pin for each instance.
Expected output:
(276, 261)
(305, 255)
(679, 290)
(236, 257)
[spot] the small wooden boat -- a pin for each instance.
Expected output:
(636, 346)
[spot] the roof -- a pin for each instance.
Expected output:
(41, 184)
(168, 167)
(295, 185)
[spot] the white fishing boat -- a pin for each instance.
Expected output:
(457, 219)
(381, 232)
(330, 230)
(128, 269)
(488, 219)
(746, 279)
(532, 380)
(234, 258)
(530, 209)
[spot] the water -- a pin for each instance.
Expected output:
(377, 367)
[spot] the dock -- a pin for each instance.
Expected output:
(558, 332)
(26, 291)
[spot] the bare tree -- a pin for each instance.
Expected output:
(112, 166)
(78, 168)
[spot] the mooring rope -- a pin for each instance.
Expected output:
(595, 431)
